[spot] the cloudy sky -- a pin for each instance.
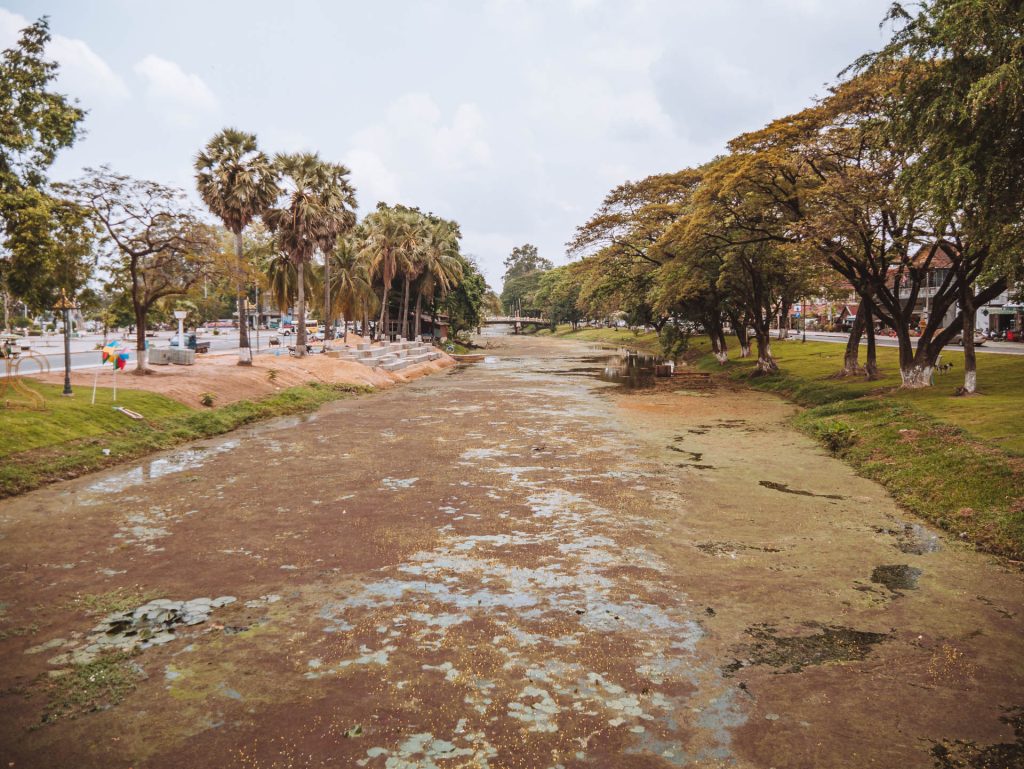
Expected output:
(513, 117)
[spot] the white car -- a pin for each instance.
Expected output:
(958, 338)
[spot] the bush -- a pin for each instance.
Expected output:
(837, 436)
(207, 399)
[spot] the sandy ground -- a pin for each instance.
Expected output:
(511, 564)
(218, 373)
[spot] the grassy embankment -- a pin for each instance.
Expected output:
(72, 437)
(957, 462)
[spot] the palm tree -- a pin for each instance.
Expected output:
(299, 221)
(351, 289)
(238, 183)
(441, 268)
(339, 198)
(388, 242)
(283, 282)
(413, 266)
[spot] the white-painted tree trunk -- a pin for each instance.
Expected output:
(917, 376)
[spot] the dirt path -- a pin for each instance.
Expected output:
(505, 565)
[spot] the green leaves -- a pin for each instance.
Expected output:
(35, 122)
(235, 180)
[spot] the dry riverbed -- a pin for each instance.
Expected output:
(510, 564)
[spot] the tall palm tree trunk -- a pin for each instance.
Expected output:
(300, 311)
(405, 310)
(244, 352)
(419, 304)
(328, 317)
(381, 328)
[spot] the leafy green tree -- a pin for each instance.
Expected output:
(523, 268)
(156, 245)
(238, 183)
(51, 243)
(618, 243)
(959, 114)
(35, 124)
(519, 293)
(524, 259)
(463, 304)
(492, 303)
(558, 294)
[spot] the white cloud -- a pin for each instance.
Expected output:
(83, 74)
(416, 137)
(373, 180)
(180, 96)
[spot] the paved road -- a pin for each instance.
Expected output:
(511, 564)
(998, 348)
(84, 354)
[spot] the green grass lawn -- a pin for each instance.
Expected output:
(73, 418)
(995, 416)
(71, 437)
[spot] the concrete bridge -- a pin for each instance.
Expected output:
(510, 319)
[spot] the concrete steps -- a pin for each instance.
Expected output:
(390, 356)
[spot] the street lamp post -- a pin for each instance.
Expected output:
(65, 305)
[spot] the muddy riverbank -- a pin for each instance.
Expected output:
(509, 564)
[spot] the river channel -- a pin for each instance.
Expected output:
(513, 563)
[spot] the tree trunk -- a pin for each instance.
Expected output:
(244, 351)
(141, 358)
(716, 348)
(765, 362)
(7, 311)
(851, 365)
(970, 358)
(871, 365)
(300, 310)
(381, 324)
(328, 323)
(723, 348)
(419, 306)
(344, 337)
(784, 324)
(743, 338)
(405, 309)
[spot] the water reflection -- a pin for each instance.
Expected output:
(633, 371)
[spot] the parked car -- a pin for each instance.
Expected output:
(191, 343)
(958, 338)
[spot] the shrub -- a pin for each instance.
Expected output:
(835, 434)
(207, 399)
(272, 375)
